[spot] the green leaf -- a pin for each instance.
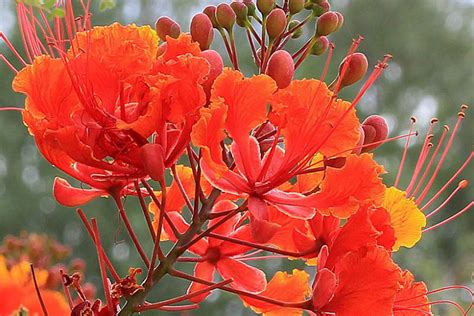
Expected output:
(106, 4)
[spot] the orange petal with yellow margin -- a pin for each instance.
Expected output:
(406, 218)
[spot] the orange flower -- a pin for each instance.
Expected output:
(17, 290)
(92, 110)
(305, 114)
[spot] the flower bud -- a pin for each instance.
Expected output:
(340, 21)
(356, 69)
(321, 8)
(327, 23)
(281, 68)
(359, 147)
(210, 11)
(202, 31)
(320, 47)
(161, 49)
(167, 27)
(295, 6)
(297, 33)
(153, 161)
(241, 12)
(216, 67)
(225, 16)
(375, 129)
(276, 23)
(265, 6)
(252, 8)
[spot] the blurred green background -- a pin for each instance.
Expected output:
(432, 73)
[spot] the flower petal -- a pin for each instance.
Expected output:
(67, 195)
(245, 277)
(203, 270)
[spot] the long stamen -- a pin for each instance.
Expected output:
(443, 156)
(430, 163)
(425, 148)
(405, 150)
(449, 219)
(12, 49)
(455, 175)
(462, 185)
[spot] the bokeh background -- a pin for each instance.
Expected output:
(432, 73)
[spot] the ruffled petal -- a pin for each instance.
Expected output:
(344, 189)
(406, 218)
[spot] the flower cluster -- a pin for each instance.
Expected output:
(229, 168)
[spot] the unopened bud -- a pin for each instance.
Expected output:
(295, 6)
(241, 12)
(356, 69)
(359, 147)
(167, 27)
(210, 11)
(281, 68)
(375, 130)
(276, 23)
(216, 66)
(320, 47)
(265, 6)
(298, 32)
(340, 21)
(225, 16)
(321, 8)
(78, 264)
(327, 23)
(202, 31)
(153, 161)
(252, 8)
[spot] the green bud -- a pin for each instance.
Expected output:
(297, 33)
(295, 6)
(241, 12)
(265, 6)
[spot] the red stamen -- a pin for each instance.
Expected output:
(43, 307)
(463, 184)
(12, 49)
(405, 150)
(464, 165)
(435, 153)
(449, 219)
(424, 151)
(443, 156)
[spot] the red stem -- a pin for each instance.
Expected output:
(43, 307)
(145, 210)
(103, 273)
(132, 234)
(91, 235)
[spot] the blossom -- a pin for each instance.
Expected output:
(92, 110)
(17, 290)
(305, 114)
